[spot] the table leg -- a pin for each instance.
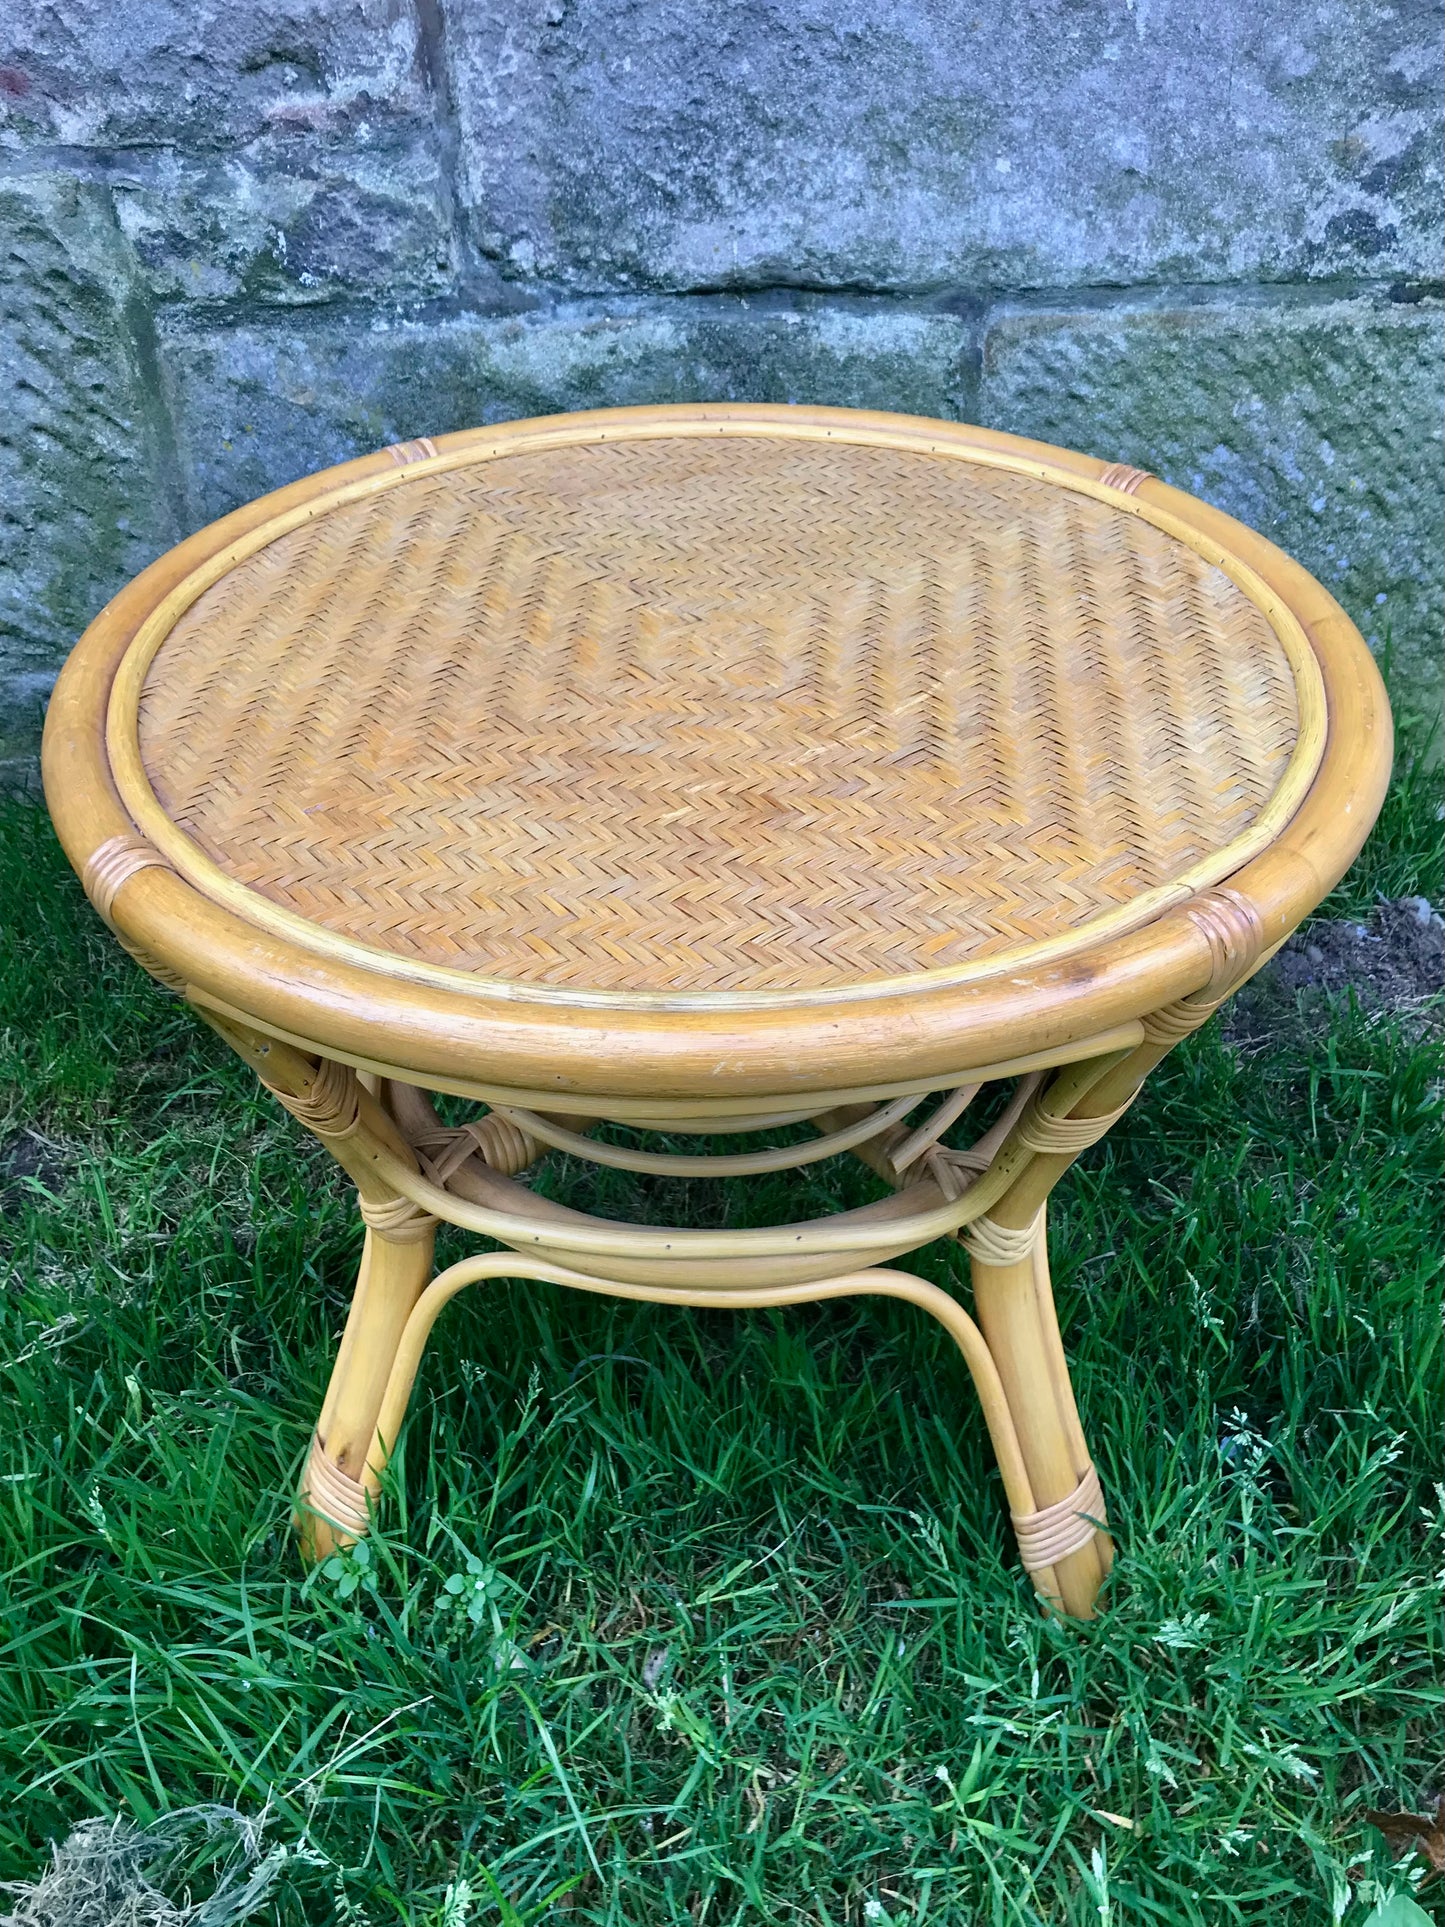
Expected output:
(1015, 1307)
(332, 1507)
(350, 1117)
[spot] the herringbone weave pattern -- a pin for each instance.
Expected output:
(716, 714)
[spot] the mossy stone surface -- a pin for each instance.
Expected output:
(929, 144)
(276, 150)
(256, 407)
(84, 502)
(1317, 424)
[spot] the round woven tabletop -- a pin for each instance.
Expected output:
(734, 706)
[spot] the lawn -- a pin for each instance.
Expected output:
(692, 1617)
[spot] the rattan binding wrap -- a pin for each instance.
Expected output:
(397, 1219)
(992, 1243)
(1127, 480)
(334, 1493)
(110, 868)
(681, 714)
(1055, 1531)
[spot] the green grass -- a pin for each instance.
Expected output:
(740, 1635)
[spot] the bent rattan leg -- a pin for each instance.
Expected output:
(1066, 1554)
(331, 1506)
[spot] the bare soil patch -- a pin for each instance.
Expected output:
(1393, 964)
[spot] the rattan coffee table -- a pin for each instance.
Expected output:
(705, 769)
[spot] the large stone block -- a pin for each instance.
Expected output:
(935, 143)
(287, 221)
(285, 149)
(84, 500)
(204, 74)
(257, 406)
(1317, 424)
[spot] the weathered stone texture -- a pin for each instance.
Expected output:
(247, 238)
(1318, 425)
(283, 150)
(82, 502)
(206, 73)
(835, 143)
(256, 407)
(284, 228)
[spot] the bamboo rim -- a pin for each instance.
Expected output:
(211, 880)
(762, 1111)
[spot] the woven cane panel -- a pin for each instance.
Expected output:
(716, 714)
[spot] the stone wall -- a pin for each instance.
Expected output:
(242, 241)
